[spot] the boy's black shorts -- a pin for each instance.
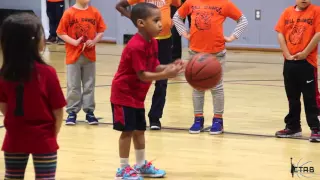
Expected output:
(128, 118)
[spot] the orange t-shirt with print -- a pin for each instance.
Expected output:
(78, 23)
(298, 28)
(164, 6)
(207, 18)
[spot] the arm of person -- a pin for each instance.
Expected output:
(234, 13)
(58, 115)
(242, 24)
(3, 99)
(312, 44)
(98, 37)
(157, 72)
(3, 108)
(100, 28)
(283, 46)
(62, 31)
(176, 3)
(152, 76)
(70, 40)
(178, 18)
(314, 41)
(161, 71)
(178, 62)
(280, 27)
(122, 6)
(161, 67)
(56, 98)
(170, 71)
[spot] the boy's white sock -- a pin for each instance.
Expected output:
(124, 162)
(140, 157)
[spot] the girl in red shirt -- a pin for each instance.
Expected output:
(31, 99)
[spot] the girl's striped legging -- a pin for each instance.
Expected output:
(44, 165)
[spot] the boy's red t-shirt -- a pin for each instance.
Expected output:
(34, 131)
(138, 55)
(78, 23)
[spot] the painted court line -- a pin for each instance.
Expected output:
(208, 128)
(240, 82)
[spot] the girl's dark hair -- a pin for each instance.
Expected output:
(20, 37)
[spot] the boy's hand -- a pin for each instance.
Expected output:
(289, 57)
(182, 63)
(172, 70)
(83, 47)
(300, 56)
(78, 41)
(186, 35)
(90, 43)
(230, 38)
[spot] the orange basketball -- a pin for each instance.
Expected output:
(203, 72)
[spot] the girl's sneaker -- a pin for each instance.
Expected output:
(148, 170)
(127, 173)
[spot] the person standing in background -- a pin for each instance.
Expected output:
(81, 27)
(55, 9)
(206, 35)
(164, 53)
(298, 31)
(176, 38)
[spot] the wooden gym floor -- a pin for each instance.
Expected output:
(254, 110)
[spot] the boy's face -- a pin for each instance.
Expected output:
(302, 4)
(83, 1)
(152, 25)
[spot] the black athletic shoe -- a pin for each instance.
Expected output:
(288, 133)
(155, 124)
(315, 135)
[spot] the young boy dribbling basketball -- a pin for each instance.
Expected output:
(298, 35)
(31, 99)
(206, 36)
(81, 27)
(164, 53)
(139, 66)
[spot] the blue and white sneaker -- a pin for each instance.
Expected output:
(127, 173)
(71, 119)
(92, 120)
(148, 170)
(217, 126)
(197, 125)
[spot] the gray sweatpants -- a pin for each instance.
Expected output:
(217, 92)
(82, 71)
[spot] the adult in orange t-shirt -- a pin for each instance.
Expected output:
(207, 36)
(55, 10)
(299, 34)
(164, 53)
(81, 27)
